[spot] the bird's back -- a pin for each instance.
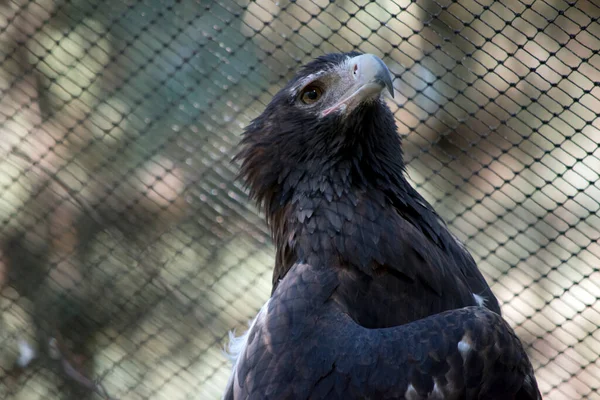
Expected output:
(390, 269)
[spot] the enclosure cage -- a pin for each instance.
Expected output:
(128, 249)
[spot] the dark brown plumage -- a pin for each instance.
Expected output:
(359, 251)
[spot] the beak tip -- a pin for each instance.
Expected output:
(382, 74)
(388, 82)
(375, 71)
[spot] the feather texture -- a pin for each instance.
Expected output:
(372, 295)
(307, 347)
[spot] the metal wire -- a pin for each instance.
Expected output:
(127, 248)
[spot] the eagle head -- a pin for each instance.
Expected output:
(328, 90)
(332, 110)
(338, 84)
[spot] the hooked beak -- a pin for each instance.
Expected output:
(370, 76)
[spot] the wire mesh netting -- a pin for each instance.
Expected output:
(127, 248)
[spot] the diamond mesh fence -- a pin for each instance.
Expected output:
(127, 248)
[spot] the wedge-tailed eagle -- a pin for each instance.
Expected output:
(373, 297)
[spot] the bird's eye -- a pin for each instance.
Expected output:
(311, 94)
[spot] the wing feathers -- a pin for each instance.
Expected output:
(304, 347)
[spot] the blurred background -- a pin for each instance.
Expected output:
(127, 248)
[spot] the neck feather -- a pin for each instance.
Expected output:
(362, 151)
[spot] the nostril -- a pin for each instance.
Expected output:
(355, 71)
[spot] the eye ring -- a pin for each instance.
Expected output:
(311, 94)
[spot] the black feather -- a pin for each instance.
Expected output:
(368, 253)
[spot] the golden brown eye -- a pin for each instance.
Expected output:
(311, 94)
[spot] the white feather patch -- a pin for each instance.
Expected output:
(237, 344)
(436, 393)
(411, 393)
(26, 353)
(479, 300)
(464, 346)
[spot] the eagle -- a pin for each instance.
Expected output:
(373, 297)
